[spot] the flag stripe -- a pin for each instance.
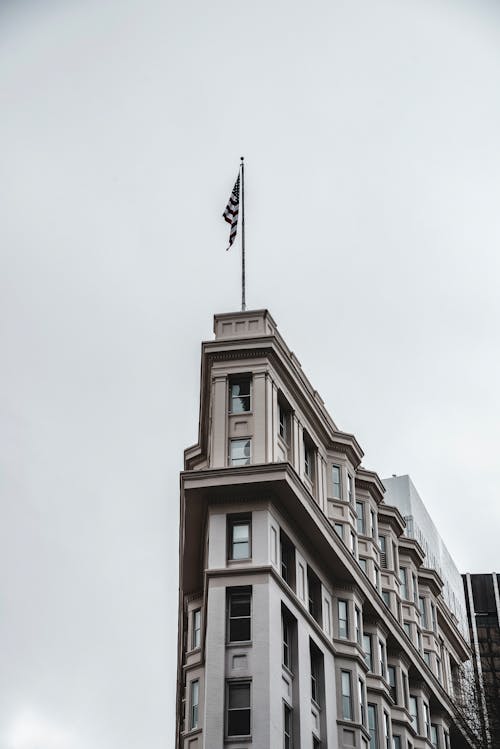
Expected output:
(232, 210)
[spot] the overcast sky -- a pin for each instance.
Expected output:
(371, 136)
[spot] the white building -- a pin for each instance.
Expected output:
(306, 617)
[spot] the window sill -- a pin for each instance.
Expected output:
(234, 739)
(239, 644)
(245, 560)
(192, 732)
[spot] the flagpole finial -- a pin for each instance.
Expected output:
(241, 158)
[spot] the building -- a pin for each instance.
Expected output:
(483, 614)
(308, 618)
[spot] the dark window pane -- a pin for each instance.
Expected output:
(238, 723)
(239, 630)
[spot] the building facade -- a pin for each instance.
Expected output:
(483, 614)
(308, 618)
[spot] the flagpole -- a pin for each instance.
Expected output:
(243, 301)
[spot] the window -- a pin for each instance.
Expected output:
(362, 704)
(376, 578)
(427, 657)
(239, 394)
(447, 740)
(238, 708)
(439, 669)
(372, 726)
(381, 658)
(353, 544)
(309, 454)
(419, 640)
(391, 674)
(316, 658)
(415, 589)
(373, 528)
(239, 614)
(343, 620)
(287, 560)
(314, 590)
(367, 647)
(316, 743)
(434, 737)
(350, 489)
(357, 624)
(194, 701)
(403, 579)
(407, 629)
(337, 482)
(427, 721)
(414, 712)
(362, 563)
(433, 615)
(196, 632)
(301, 582)
(287, 726)
(284, 422)
(405, 689)
(239, 452)
(396, 742)
(286, 627)
(382, 542)
(387, 731)
(339, 530)
(386, 597)
(346, 695)
(360, 521)
(423, 613)
(239, 532)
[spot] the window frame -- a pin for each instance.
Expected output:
(196, 629)
(360, 517)
(367, 638)
(233, 592)
(238, 684)
(373, 725)
(338, 484)
(233, 521)
(237, 462)
(194, 707)
(343, 619)
(346, 695)
(287, 726)
(237, 380)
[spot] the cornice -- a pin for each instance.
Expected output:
(413, 549)
(370, 481)
(430, 577)
(392, 516)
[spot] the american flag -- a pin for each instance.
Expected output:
(231, 213)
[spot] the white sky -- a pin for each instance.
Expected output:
(370, 131)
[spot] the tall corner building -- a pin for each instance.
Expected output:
(310, 614)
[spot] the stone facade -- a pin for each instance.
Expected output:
(307, 618)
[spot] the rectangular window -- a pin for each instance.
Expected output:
(357, 624)
(286, 628)
(387, 731)
(427, 721)
(316, 658)
(367, 647)
(423, 613)
(196, 636)
(414, 712)
(373, 525)
(239, 452)
(391, 675)
(427, 657)
(405, 689)
(447, 740)
(372, 726)
(434, 737)
(407, 629)
(238, 709)
(274, 545)
(381, 658)
(415, 589)
(360, 521)
(284, 422)
(314, 590)
(362, 563)
(309, 455)
(343, 620)
(419, 640)
(239, 602)
(353, 544)
(376, 578)
(287, 726)
(350, 489)
(433, 615)
(386, 597)
(361, 699)
(339, 530)
(240, 394)
(346, 695)
(382, 542)
(439, 670)
(195, 696)
(396, 742)
(239, 532)
(403, 579)
(337, 482)
(301, 582)
(287, 550)
(316, 742)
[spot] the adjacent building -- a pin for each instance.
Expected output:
(309, 615)
(483, 613)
